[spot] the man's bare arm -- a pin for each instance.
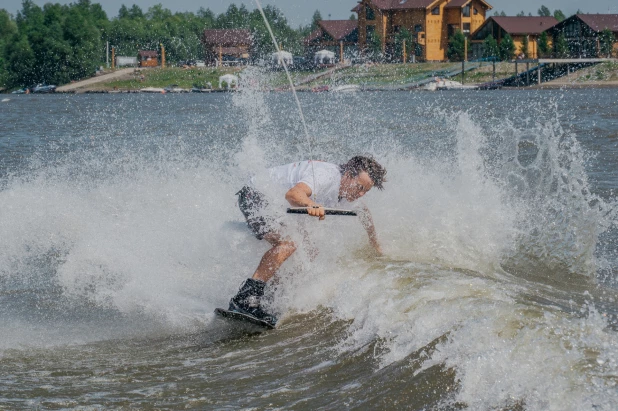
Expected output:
(300, 196)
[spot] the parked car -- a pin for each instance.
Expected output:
(43, 88)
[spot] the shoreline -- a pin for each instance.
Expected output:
(391, 88)
(374, 77)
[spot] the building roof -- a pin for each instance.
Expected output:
(600, 22)
(337, 29)
(456, 3)
(227, 38)
(523, 24)
(147, 53)
(414, 4)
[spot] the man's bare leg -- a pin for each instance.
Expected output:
(273, 259)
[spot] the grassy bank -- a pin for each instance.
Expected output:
(377, 75)
(369, 75)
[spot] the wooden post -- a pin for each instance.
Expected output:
(465, 49)
(341, 52)
(539, 73)
(493, 78)
(162, 56)
(463, 70)
(527, 73)
(404, 52)
(220, 55)
(113, 58)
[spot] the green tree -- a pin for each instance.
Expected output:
(525, 46)
(456, 47)
(352, 17)
(123, 13)
(317, 17)
(136, 12)
(562, 46)
(20, 61)
(559, 15)
(507, 48)
(544, 12)
(491, 47)
(403, 35)
(606, 42)
(374, 43)
(8, 29)
(543, 45)
(521, 14)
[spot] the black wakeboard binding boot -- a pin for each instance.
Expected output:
(248, 298)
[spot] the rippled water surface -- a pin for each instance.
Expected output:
(498, 288)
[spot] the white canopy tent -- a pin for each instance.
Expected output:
(324, 57)
(282, 56)
(229, 79)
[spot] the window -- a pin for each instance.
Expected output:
(418, 28)
(466, 28)
(572, 29)
(466, 11)
(369, 13)
(396, 29)
(476, 11)
(436, 11)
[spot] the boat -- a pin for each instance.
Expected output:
(175, 89)
(443, 84)
(43, 89)
(346, 88)
(153, 90)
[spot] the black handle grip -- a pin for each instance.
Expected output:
(327, 211)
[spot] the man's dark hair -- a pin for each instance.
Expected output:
(358, 164)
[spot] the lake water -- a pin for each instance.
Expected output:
(498, 288)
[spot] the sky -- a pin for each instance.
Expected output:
(299, 12)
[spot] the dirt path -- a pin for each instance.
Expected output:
(103, 78)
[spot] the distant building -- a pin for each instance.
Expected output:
(333, 35)
(148, 58)
(123, 61)
(222, 46)
(517, 27)
(431, 22)
(582, 33)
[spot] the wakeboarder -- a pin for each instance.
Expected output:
(336, 186)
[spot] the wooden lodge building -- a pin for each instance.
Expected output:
(339, 36)
(583, 32)
(431, 22)
(517, 27)
(224, 45)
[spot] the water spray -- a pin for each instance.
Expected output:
(300, 109)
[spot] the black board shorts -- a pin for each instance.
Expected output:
(253, 204)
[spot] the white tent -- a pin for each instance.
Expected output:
(229, 79)
(282, 56)
(324, 57)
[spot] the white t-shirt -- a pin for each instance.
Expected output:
(322, 178)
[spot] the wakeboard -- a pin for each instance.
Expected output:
(237, 316)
